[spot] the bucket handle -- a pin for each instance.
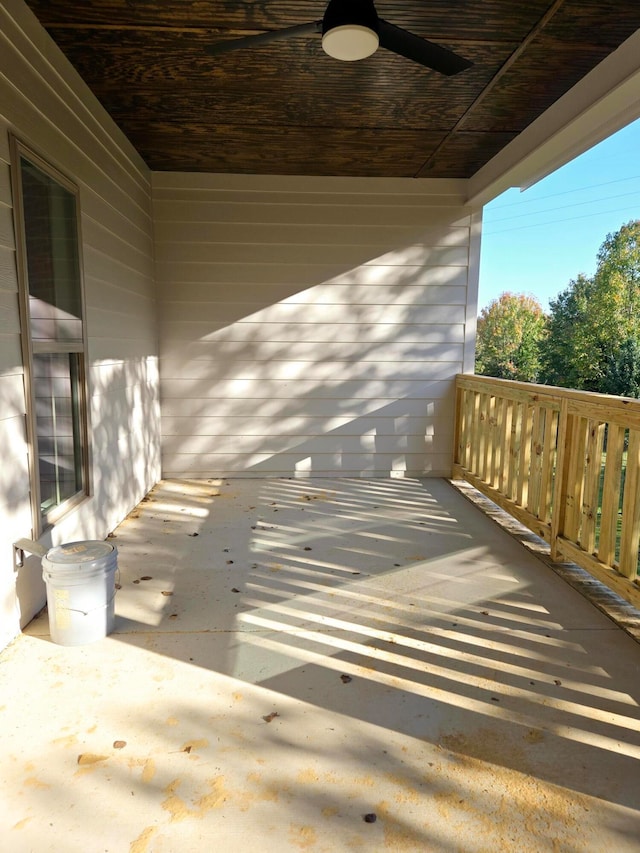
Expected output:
(93, 609)
(100, 606)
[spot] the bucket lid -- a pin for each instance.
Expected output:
(73, 553)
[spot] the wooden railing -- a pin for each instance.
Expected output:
(565, 463)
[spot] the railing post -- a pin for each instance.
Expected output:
(559, 505)
(462, 426)
(457, 424)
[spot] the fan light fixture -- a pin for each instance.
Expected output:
(350, 29)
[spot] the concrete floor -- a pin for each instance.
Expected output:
(305, 653)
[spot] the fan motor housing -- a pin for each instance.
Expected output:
(350, 29)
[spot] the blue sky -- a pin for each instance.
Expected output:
(536, 241)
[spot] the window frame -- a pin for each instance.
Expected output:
(42, 521)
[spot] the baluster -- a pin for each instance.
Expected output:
(611, 494)
(630, 537)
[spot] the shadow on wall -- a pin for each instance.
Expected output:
(124, 463)
(353, 375)
(125, 428)
(379, 444)
(22, 590)
(21, 593)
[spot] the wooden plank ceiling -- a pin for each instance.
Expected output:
(288, 108)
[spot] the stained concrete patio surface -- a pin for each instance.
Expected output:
(291, 657)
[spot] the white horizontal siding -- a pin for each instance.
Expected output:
(8, 312)
(368, 441)
(12, 395)
(10, 346)
(8, 280)
(181, 358)
(183, 428)
(410, 293)
(172, 275)
(195, 335)
(304, 407)
(6, 226)
(307, 313)
(310, 327)
(10, 354)
(316, 189)
(116, 325)
(285, 369)
(48, 107)
(344, 233)
(347, 256)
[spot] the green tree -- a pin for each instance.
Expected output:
(592, 322)
(510, 330)
(623, 371)
(567, 356)
(616, 292)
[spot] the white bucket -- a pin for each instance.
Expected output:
(81, 587)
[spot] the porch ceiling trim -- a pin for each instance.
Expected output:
(603, 102)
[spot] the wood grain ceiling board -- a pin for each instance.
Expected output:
(279, 90)
(474, 149)
(532, 84)
(285, 151)
(436, 19)
(287, 108)
(590, 22)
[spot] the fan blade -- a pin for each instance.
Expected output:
(221, 47)
(420, 50)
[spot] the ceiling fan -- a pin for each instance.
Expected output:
(351, 30)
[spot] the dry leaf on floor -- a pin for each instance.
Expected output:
(119, 744)
(90, 758)
(345, 679)
(269, 717)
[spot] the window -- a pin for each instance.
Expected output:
(53, 334)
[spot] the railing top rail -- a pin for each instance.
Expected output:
(552, 393)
